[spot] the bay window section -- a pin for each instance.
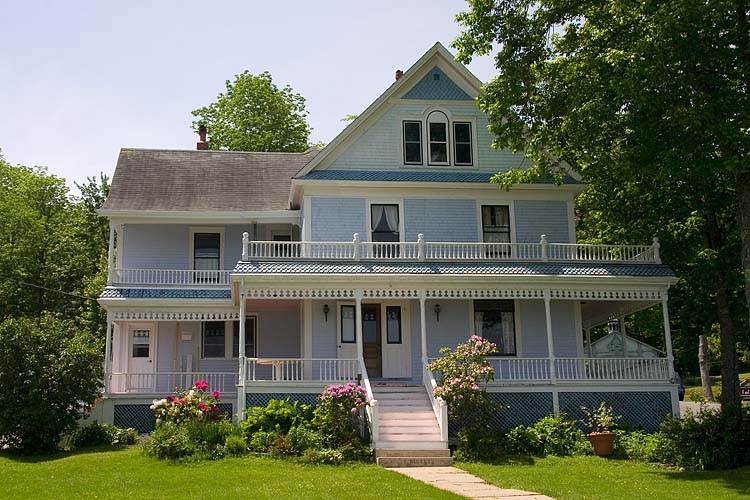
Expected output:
(494, 321)
(413, 142)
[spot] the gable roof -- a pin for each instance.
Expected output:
(163, 180)
(436, 53)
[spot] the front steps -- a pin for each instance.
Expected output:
(409, 434)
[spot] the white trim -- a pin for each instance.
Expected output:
(307, 222)
(325, 188)
(211, 217)
(193, 230)
(579, 327)
(497, 203)
(174, 316)
(385, 201)
(516, 324)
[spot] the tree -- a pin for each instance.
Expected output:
(255, 115)
(649, 102)
(51, 374)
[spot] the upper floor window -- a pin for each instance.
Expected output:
(462, 143)
(437, 129)
(384, 222)
(413, 142)
(495, 224)
(206, 251)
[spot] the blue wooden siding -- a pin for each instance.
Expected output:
(337, 219)
(436, 85)
(324, 341)
(440, 220)
(534, 329)
(379, 147)
(537, 217)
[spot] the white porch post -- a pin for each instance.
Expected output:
(108, 353)
(667, 336)
(111, 254)
(551, 351)
(242, 368)
(587, 329)
(358, 323)
(423, 328)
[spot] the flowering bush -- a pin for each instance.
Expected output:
(192, 405)
(338, 414)
(461, 371)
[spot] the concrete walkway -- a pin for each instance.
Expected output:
(465, 484)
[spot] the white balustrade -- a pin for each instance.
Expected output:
(170, 277)
(612, 369)
(520, 369)
(168, 382)
(439, 407)
(297, 370)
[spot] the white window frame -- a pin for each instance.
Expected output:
(516, 326)
(191, 243)
(385, 201)
(471, 142)
(448, 136)
(511, 217)
(420, 121)
(424, 120)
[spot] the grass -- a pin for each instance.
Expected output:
(128, 474)
(599, 478)
(694, 389)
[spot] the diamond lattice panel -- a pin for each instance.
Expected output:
(262, 398)
(139, 417)
(644, 410)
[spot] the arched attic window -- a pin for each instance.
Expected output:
(437, 136)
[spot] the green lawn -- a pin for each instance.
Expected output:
(694, 390)
(129, 475)
(599, 478)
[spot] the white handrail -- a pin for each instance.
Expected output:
(439, 407)
(181, 277)
(422, 250)
(371, 410)
(301, 369)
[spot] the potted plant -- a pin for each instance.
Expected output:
(601, 421)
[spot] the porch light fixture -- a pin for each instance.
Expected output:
(437, 311)
(326, 310)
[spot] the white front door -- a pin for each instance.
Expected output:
(141, 357)
(396, 340)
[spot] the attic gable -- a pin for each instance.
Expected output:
(438, 86)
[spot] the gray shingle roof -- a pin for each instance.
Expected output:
(435, 268)
(163, 293)
(413, 175)
(173, 180)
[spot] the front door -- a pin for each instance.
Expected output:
(371, 340)
(141, 357)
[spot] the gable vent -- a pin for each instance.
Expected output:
(436, 76)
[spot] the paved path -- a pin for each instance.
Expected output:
(465, 484)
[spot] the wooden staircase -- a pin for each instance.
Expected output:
(409, 434)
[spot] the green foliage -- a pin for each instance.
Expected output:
(255, 115)
(638, 445)
(51, 375)
(461, 371)
(97, 434)
(601, 419)
(260, 441)
(478, 444)
(170, 441)
(192, 440)
(325, 456)
(338, 415)
(235, 445)
(276, 416)
(196, 404)
(281, 446)
(303, 438)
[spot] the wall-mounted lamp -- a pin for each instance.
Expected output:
(326, 310)
(437, 311)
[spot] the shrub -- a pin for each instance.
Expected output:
(211, 434)
(276, 416)
(523, 440)
(170, 441)
(261, 441)
(338, 415)
(97, 434)
(192, 405)
(235, 445)
(462, 370)
(281, 445)
(51, 374)
(639, 445)
(303, 439)
(559, 436)
(478, 444)
(326, 456)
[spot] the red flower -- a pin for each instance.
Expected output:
(216, 394)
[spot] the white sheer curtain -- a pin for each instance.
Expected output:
(387, 214)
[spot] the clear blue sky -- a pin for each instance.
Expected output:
(80, 80)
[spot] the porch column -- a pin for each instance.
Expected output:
(551, 351)
(588, 340)
(423, 328)
(667, 336)
(108, 353)
(242, 368)
(111, 254)
(358, 323)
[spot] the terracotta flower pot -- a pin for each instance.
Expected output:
(603, 443)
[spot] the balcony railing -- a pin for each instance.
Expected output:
(168, 382)
(422, 250)
(173, 277)
(297, 370)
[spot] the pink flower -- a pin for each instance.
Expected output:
(202, 406)
(201, 385)
(216, 394)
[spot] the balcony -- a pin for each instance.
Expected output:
(170, 277)
(422, 250)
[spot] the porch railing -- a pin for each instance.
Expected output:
(422, 250)
(580, 369)
(371, 410)
(168, 382)
(177, 277)
(297, 370)
(439, 407)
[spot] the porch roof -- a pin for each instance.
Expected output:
(164, 293)
(448, 268)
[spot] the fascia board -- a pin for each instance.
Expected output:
(575, 188)
(113, 303)
(152, 216)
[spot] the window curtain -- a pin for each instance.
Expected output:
(385, 214)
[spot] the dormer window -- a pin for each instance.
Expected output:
(437, 129)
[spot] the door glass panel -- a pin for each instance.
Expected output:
(347, 325)
(141, 343)
(370, 326)
(393, 324)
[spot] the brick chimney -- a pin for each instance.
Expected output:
(202, 144)
(399, 74)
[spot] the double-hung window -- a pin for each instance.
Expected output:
(494, 321)
(496, 229)
(440, 135)
(384, 224)
(462, 143)
(214, 336)
(437, 130)
(206, 251)
(412, 142)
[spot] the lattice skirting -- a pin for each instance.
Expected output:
(640, 410)
(141, 418)
(262, 398)
(517, 408)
